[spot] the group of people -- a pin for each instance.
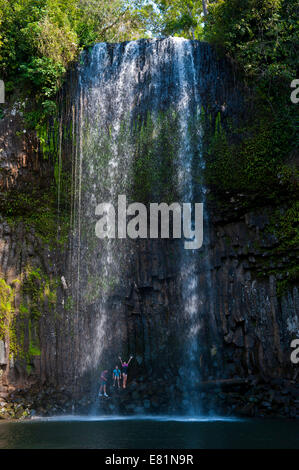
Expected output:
(117, 375)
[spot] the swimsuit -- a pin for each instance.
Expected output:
(125, 368)
(116, 372)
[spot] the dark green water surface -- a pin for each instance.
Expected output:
(94, 432)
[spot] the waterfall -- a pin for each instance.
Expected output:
(138, 132)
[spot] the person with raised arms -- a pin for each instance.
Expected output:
(124, 370)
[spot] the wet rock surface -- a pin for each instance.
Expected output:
(251, 398)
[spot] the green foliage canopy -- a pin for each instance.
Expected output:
(261, 36)
(39, 39)
(179, 18)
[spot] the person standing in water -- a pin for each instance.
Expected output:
(124, 370)
(103, 386)
(116, 376)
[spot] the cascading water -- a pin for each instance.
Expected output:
(138, 133)
(190, 126)
(104, 167)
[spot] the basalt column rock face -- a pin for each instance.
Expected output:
(257, 323)
(31, 260)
